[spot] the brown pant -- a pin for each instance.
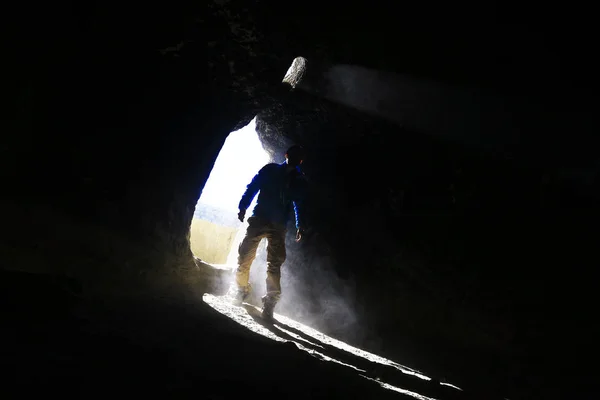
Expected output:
(275, 235)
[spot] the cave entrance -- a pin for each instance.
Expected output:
(216, 230)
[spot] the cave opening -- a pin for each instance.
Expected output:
(215, 230)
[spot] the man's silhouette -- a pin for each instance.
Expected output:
(282, 188)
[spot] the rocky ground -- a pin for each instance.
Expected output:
(56, 342)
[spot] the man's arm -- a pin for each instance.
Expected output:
(299, 209)
(297, 213)
(251, 190)
(299, 223)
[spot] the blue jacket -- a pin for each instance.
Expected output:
(279, 192)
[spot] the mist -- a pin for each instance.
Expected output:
(312, 292)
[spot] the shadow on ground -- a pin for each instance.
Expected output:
(390, 375)
(55, 341)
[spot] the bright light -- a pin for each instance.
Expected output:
(314, 343)
(241, 157)
(452, 386)
(215, 231)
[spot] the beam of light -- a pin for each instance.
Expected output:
(350, 349)
(399, 390)
(471, 116)
(298, 337)
(306, 338)
(450, 385)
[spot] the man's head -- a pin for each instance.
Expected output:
(294, 155)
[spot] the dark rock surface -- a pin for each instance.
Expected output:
(468, 260)
(94, 348)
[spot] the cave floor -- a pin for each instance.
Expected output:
(54, 342)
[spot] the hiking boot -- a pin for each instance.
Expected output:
(240, 295)
(267, 309)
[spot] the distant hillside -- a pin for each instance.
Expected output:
(216, 215)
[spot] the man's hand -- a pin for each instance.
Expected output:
(299, 234)
(241, 215)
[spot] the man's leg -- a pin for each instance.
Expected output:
(247, 254)
(276, 255)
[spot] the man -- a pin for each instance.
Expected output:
(282, 187)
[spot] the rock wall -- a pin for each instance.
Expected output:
(432, 236)
(119, 113)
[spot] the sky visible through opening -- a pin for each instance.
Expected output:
(240, 158)
(216, 232)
